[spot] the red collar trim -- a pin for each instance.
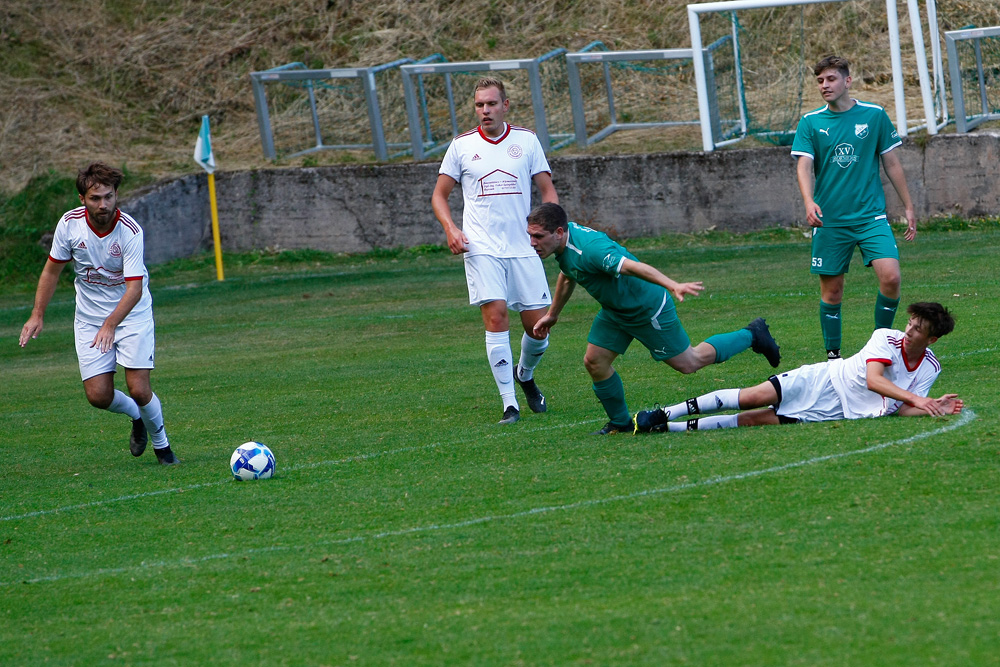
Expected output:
(502, 136)
(906, 362)
(114, 223)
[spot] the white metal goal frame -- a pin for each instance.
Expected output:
(934, 119)
(963, 120)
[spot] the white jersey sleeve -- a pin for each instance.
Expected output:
(62, 247)
(850, 376)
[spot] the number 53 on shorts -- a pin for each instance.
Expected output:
(817, 262)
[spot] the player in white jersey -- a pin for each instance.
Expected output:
(496, 164)
(114, 310)
(892, 374)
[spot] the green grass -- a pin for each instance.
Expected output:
(405, 527)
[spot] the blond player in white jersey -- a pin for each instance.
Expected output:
(892, 374)
(496, 164)
(114, 310)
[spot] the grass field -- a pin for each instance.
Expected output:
(405, 527)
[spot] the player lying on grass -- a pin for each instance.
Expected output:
(892, 374)
(635, 304)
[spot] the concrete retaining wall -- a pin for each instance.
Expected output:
(356, 209)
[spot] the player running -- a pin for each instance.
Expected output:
(114, 309)
(635, 303)
(892, 374)
(842, 143)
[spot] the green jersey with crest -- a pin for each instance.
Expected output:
(594, 261)
(845, 148)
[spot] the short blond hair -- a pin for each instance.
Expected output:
(490, 82)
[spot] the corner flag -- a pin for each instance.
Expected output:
(203, 148)
(203, 156)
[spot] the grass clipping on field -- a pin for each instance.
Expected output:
(128, 82)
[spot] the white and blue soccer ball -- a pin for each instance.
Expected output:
(252, 460)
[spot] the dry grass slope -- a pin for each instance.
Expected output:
(127, 80)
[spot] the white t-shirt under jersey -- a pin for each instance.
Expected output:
(849, 376)
(103, 264)
(495, 175)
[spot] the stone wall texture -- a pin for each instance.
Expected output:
(360, 208)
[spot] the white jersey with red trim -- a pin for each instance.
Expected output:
(103, 263)
(495, 175)
(849, 376)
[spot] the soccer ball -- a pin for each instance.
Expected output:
(252, 460)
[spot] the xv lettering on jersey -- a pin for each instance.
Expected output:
(843, 155)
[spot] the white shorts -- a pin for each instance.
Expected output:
(134, 347)
(807, 394)
(520, 281)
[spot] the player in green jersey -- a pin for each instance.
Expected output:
(838, 147)
(635, 303)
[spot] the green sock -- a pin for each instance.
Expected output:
(611, 394)
(829, 321)
(730, 344)
(885, 311)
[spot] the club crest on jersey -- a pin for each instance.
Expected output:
(843, 155)
(515, 151)
(115, 250)
(861, 130)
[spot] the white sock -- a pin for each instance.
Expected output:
(532, 350)
(499, 355)
(152, 417)
(708, 423)
(123, 404)
(724, 399)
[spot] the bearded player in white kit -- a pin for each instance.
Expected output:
(114, 309)
(496, 163)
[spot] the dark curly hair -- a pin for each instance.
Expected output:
(98, 173)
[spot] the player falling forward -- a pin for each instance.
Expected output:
(892, 374)
(114, 309)
(496, 164)
(635, 304)
(842, 143)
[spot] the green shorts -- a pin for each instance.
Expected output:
(663, 336)
(833, 247)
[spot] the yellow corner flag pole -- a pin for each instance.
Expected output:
(215, 228)
(206, 160)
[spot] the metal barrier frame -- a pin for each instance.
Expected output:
(424, 147)
(962, 122)
(573, 61)
(296, 72)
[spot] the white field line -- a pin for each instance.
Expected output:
(293, 468)
(966, 417)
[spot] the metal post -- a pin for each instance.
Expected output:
(930, 118)
(957, 96)
(576, 102)
(538, 102)
(412, 113)
(374, 115)
(315, 114)
(263, 118)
